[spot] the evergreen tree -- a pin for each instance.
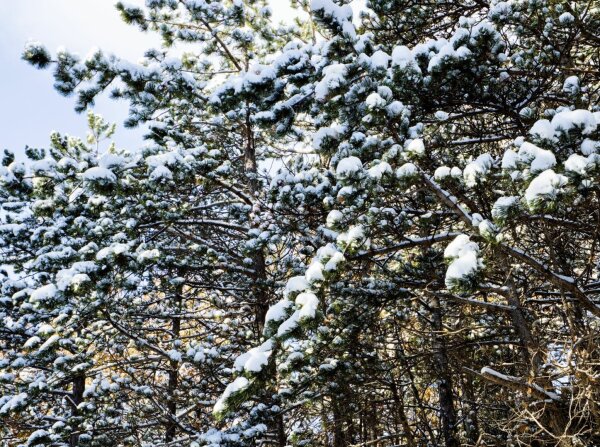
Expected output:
(419, 267)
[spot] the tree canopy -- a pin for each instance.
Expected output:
(368, 226)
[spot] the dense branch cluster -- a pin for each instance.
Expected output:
(369, 227)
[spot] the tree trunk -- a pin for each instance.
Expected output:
(447, 410)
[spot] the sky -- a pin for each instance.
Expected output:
(30, 108)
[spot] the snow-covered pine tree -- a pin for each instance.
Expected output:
(437, 235)
(186, 258)
(440, 274)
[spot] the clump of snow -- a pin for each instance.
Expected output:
(255, 359)
(14, 403)
(465, 263)
(239, 384)
(380, 59)
(333, 218)
(539, 159)
(348, 166)
(581, 165)
(351, 237)
(402, 57)
(289, 325)
(379, 170)
(161, 172)
(43, 293)
(278, 311)
(406, 170)
(477, 169)
(502, 206)
(543, 129)
(309, 303)
(342, 15)
(375, 101)
(416, 147)
(99, 174)
(295, 284)
(319, 136)
(440, 115)
(112, 250)
(545, 186)
(570, 119)
(571, 85)
(589, 147)
(314, 272)
(334, 76)
(441, 173)
(566, 18)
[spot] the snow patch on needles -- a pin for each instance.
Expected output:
(348, 166)
(545, 186)
(239, 384)
(464, 261)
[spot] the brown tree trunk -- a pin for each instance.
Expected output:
(446, 398)
(171, 429)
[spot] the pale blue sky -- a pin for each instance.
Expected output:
(30, 107)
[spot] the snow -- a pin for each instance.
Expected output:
(48, 343)
(406, 170)
(113, 250)
(441, 173)
(348, 166)
(340, 14)
(254, 360)
(326, 132)
(334, 76)
(569, 119)
(314, 272)
(566, 18)
(110, 161)
(174, 355)
(543, 129)
(353, 235)
(501, 206)
(239, 384)
(99, 174)
(43, 293)
(379, 170)
(380, 59)
(578, 163)
(333, 262)
(278, 311)
(148, 255)
(487, 229)
(571, 85)
(464, 256)
(509, 159)
(161, 173)
(589, 146)
(402, 57)
(416, 147)
(295, 284)
(477, 169)
(333, 218)
(289, 325)
(547, 185)
(453, 249)
(309, 303)
(540, 159)
(375, 101)
(440, 115)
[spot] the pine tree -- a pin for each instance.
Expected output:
(419, 268)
